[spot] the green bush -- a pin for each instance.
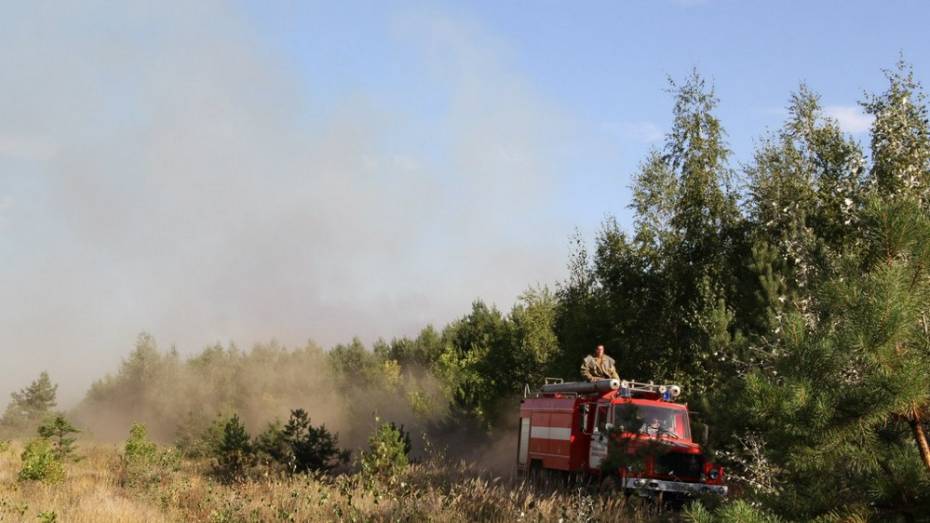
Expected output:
(735, 511)
(142, 462)
(40, 463)
(138, 448)
(388, 448)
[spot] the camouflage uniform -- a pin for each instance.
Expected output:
(593, 370)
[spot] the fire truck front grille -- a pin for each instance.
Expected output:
(682, 466)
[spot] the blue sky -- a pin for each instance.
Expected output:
(606, 65)
(245, 171)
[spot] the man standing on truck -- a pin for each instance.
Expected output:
(599, 366)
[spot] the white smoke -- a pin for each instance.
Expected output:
(162, 169)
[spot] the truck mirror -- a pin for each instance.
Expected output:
(584, 419)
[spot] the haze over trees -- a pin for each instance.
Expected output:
(29, 406)
(789, 296)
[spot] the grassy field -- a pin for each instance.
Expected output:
(97, 488)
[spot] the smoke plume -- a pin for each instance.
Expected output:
(164, 168)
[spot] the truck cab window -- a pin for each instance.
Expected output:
(654, 421)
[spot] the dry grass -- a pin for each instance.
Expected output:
(88, 493)
(94, 491)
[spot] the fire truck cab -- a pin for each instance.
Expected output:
(631, 433)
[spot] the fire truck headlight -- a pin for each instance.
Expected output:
(662, 389)
(714, 473)
(675, 390)
(624, 384)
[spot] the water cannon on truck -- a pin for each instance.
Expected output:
(572, 427)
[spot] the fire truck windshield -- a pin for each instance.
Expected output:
(652, 421)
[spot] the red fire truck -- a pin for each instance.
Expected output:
(570, 427)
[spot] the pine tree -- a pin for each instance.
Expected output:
(311, 448)
(58, 430)
(234, 454)
(272, 445)
(30, 405)
(849, 393)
